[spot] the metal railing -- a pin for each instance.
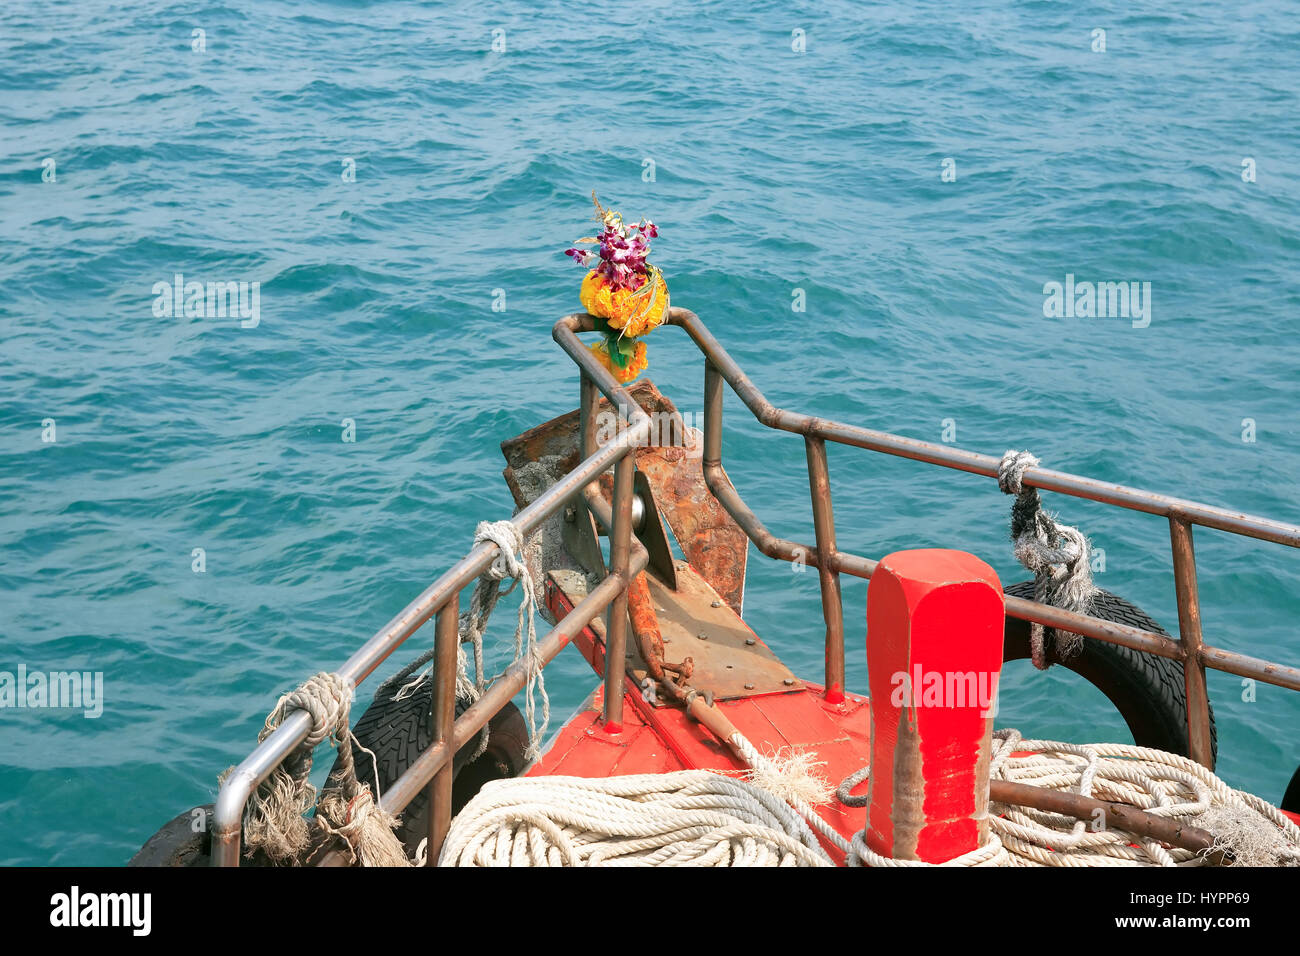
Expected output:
(1191, 650)
(433, 769)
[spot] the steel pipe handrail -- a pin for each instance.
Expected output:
(1134, 499)
(467, 726)
(628, 557)
(1181, 513)
(228, 813)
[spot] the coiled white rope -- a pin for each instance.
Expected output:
(1160, 783)
(687, 818)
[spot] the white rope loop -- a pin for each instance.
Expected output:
(508, 563)
(273, 817)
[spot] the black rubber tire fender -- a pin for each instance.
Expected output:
(182, 841)
(398, 731)
(1291, 798)
(1147, 690)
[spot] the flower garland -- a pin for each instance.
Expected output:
(625, 293)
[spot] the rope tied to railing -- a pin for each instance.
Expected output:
(273, 818)
(509, 563)
(1057, 554)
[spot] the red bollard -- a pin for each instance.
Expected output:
(934, 654)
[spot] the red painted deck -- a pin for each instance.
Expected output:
(661, 740)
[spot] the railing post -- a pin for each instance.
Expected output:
(616, 625)
(588, 420)
(819, 482)
(1199, 744)
(712, 414)
(446, 636)
(588, 397)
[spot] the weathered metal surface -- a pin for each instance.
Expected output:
(1118, 816)
(645, 626)
(710, 539)
(578, 536)
(1200, 744)
(620, 553)
(544, 455)
(648, 526)
(446, 642)
(824, 527)
(558, 438)
(730, 660)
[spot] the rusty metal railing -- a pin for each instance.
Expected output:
(1191, 650)
(432, 770)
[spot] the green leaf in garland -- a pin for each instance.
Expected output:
(621, 349)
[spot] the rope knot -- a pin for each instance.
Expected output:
(273, 817)
(1057, 555)
(1012, 468)
(325, 697)
(510, 545)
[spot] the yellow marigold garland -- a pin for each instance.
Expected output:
(624, 291)
(634, 312)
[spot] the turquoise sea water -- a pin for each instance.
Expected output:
(774, 170)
